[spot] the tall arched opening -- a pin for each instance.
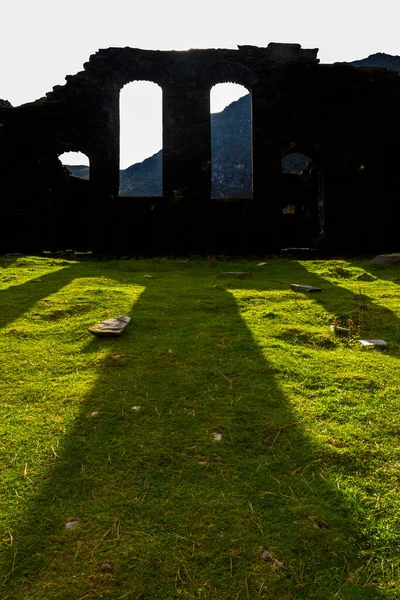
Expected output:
(231, 141)
(141, 139)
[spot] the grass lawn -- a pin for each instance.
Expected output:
(227, 446)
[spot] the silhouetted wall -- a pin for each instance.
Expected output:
(344, 118)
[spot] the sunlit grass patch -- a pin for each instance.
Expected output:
(227, 445)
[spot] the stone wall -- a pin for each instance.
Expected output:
(344, 118)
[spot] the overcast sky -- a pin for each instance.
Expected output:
(42, 41)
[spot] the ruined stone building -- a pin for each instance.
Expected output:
(344, 118)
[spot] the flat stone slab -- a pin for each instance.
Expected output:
(386, 259)
(297, 287)
(381, 343)
(110, 327)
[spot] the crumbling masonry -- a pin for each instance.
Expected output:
(346, 119)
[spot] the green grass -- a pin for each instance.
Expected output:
(307, 466)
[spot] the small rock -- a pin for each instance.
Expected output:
(135, 408)
(365, 277)
(38, 280)
(217, 437)
(71, 524)
(261, 264)
(110, 327)
(339, 330)
(148, 276)
(117, 356)
(319, 524)
(386, 260)
(381, 343)
(238, 274)
(95, 413)
(106, 568)
(297, 287)
(267, 557)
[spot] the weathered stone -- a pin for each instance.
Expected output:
(71, 524)
(386, 260)
(381, 343)
(110, 327)
(297, 287)
(339, 330)
(268, 557)
(365, 277)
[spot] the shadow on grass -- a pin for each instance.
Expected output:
(15, 300)
(187, 469)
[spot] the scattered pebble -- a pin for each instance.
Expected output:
(319, 524)
(135, 408)
(71, 524)
(95, 413)
(217, 437)
(38, 280)
(106, 568)
(170, 351)
(366, 277)
(261, 264)
(339, 330)
(148, 276)
(297, 287)
(117, 356)
(267, 557)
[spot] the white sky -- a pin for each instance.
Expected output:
(42, 41)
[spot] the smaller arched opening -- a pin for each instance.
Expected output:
(231, 141)
(301, 199)
(77, 164)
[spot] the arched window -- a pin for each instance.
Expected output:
(141, 139)
(77, 164)
(231, 142)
